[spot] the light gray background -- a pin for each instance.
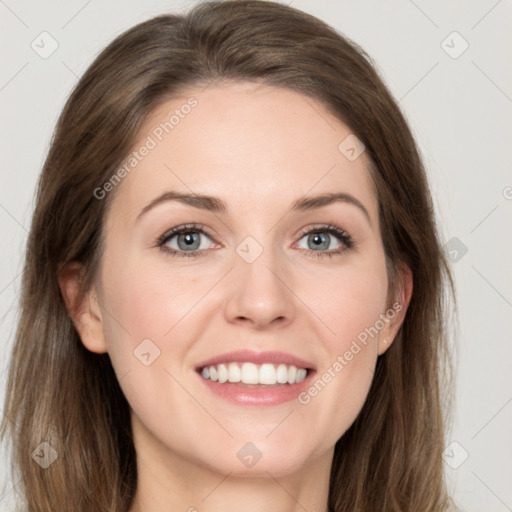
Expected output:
(460, 112)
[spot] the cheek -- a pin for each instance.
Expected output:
(147, 327)
(348, 301)
(149, 301)
(351, 308)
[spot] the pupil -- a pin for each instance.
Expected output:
(319, 239)
(188, 239)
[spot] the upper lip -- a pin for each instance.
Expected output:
(257, 358)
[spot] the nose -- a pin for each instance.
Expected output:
(260, 294)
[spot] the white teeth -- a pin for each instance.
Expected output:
(282, 374)
(267, 374)
(292, 374)
(234, 373)
(301, 375)
(222, 372)
(249, 373)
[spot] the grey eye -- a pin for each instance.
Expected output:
(189, 241)
(319, 240)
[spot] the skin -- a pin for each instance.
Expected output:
(258, 148)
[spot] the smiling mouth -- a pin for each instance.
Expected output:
(251, 374)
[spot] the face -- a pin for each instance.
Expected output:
(261, 284)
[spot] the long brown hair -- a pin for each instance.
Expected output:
(61, 393)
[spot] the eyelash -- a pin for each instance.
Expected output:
(343, 236)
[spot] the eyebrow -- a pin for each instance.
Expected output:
(216, 205)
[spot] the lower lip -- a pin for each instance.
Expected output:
(258, 395)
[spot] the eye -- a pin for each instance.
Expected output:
(184, 239)
(319, 241)
(187, 241)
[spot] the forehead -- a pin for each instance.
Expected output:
(253, 145)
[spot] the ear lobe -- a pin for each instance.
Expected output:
(396, 313)
(82, 307)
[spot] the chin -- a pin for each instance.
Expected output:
(253, 459)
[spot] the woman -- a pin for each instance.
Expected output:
(233, 294)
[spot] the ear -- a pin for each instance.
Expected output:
(394, 316)
(83, 307)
